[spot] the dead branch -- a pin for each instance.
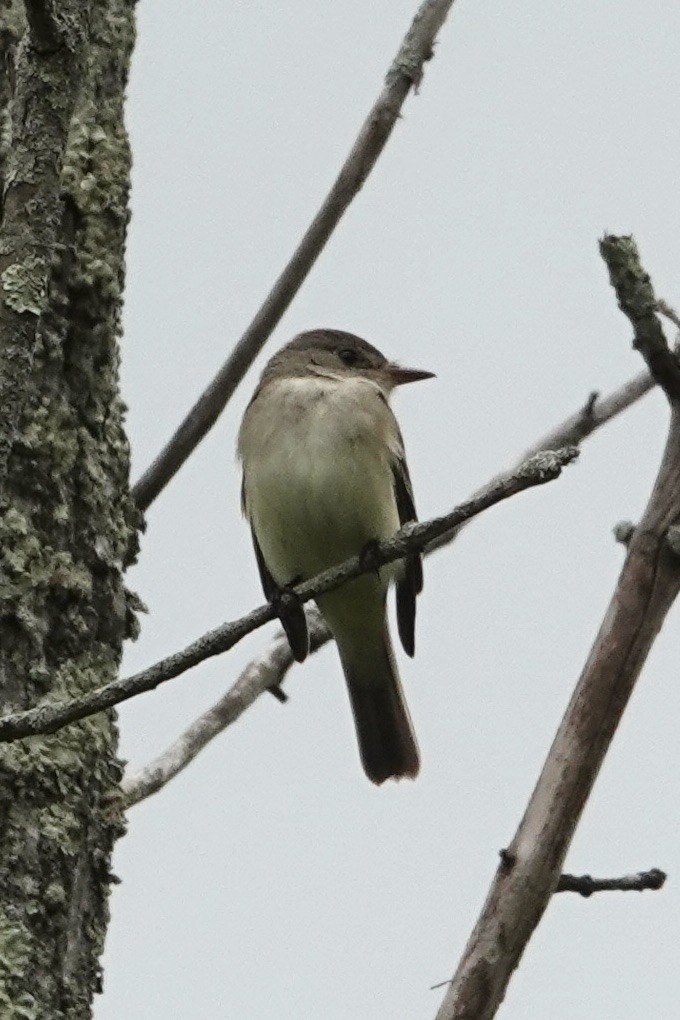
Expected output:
(586, 886)
(647, 587)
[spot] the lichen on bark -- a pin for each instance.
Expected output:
(67, 530)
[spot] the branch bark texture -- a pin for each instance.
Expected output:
(647, 587)
(404, 74)
(67, 523)
(47, 79)
(636, 300)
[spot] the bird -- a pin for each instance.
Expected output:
(325, 478)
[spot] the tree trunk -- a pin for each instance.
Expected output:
(67, 523)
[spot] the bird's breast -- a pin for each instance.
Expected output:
(317, 457)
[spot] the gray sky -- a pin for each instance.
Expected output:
(271, 879)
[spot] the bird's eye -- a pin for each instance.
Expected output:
(349, 357)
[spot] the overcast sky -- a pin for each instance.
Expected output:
(272, 880)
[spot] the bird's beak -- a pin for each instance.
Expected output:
(398, 375)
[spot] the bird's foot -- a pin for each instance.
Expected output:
(368, 557)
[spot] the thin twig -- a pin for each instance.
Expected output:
(269, 668)
(596, 411)
(647, 587)
(404, 74)
(48, 718)
(636, 300)
(667, 309)
(586, 886)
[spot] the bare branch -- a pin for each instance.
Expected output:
(153, 776)
(670, 313)
(596, 411)
(404, 74)
(636, 300)
(647, 587)
(544, 467)
(586, 886)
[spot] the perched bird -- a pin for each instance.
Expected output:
(324, 476)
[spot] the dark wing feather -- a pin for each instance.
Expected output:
(269, 586)
(411, 582)
(289, 609)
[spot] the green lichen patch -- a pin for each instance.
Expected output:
(24, 285)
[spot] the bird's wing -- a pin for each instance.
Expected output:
(411, 581)
(291, 613)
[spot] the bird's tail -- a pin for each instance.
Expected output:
(387, 743)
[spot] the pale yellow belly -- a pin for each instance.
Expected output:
(314, 509)
(319, 489)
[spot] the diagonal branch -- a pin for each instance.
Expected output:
(405, 74)
(530, 869)
(48, 718)
(269, 668)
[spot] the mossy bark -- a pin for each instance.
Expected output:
(67, 525)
